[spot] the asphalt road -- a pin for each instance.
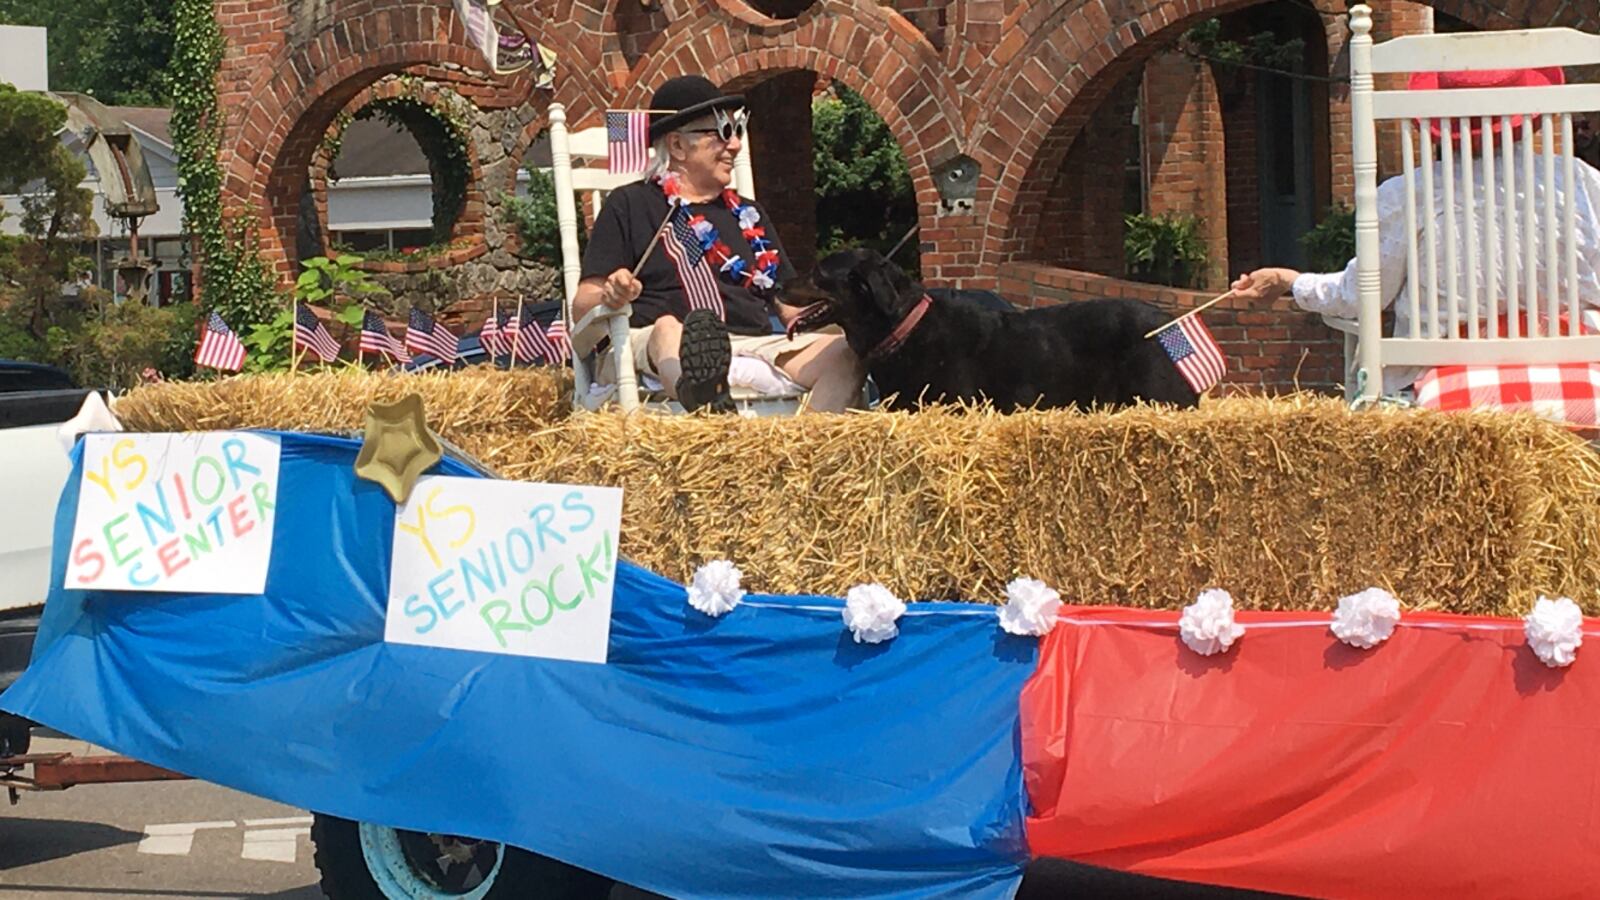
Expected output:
(178, 839)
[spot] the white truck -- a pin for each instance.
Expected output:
(34, 401)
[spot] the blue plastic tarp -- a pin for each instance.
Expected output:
(762, 754)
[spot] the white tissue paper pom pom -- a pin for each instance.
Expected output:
(1031, 607)
(715, 589)
(1207, 625)
(1554, 630)
(870, 612)
(1366, 619)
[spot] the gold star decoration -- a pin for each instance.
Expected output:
(397, 447)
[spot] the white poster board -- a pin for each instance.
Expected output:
(505, 567)
(175, 512)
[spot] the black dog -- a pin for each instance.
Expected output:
(1091, 353)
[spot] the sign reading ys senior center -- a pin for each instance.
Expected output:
(505, 567)
(175, 512)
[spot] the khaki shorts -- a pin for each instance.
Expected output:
(768, 347)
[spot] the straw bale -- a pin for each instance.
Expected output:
(337, 400)
(1286, 503)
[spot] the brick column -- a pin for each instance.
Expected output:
(780, 134)
(1184, 150)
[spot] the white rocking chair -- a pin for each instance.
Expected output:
(595, 182)
(1530, 253)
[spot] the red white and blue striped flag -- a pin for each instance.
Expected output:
(557, 335)
(492, 336)
(310, 334)
(699, 285)
(424, 335)
(627, 142)
(219, 347)
(1194, 351)
(530, 344)
(375, 338)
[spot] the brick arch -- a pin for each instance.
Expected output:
(1024, 114)
(469, 219)
(294, 98)
(889, 63)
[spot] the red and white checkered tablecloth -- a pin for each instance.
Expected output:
(1568, 393)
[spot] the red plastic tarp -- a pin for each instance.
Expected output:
(1447, 761)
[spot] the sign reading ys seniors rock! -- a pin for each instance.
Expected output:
(505, 567)
(175, 512)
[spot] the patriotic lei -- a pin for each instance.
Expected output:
(731, 266)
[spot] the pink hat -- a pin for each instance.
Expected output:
(1486, 78)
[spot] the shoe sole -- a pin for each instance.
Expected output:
(705, 353)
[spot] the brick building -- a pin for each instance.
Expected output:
(1069, 112)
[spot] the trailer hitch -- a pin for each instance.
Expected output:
(59, 771)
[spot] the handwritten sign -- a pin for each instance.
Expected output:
(505, 567)
(175, 512)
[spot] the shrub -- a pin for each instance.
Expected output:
(1332, 244)
(1165, 249)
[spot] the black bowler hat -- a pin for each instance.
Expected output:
(684, 99)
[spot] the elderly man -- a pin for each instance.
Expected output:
(707, 289)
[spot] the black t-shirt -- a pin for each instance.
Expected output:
(628, 220)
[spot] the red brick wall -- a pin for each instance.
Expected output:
(1081, 223)
(1273, 351)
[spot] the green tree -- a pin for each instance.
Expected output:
(864, 194)
(117, 51)
(535, 221)
(55, 209)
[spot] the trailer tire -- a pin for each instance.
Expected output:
(15, 735)
(359, 861)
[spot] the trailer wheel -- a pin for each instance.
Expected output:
(15, 735)
(362, 861)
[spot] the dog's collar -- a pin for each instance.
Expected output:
(902, 331)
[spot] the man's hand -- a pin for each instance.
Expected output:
(1264, 284)
(620, 289)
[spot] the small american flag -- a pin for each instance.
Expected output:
(1195, 352)
(699, 285)
(424, 335)
(531, 343)
(557, 335)
(219, 347)
(375, 338)
(627, 142)
(310, 334)
(492, 337)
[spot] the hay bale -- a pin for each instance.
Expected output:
(337, 400)
(1286, 503)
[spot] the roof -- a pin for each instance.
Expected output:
(152, 120)
(373, 148)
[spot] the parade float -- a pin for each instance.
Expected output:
(1270, 644)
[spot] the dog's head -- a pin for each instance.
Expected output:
(860, 291)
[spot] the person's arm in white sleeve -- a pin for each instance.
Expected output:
(1334, 293)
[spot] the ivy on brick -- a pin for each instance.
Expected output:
(234, 280)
